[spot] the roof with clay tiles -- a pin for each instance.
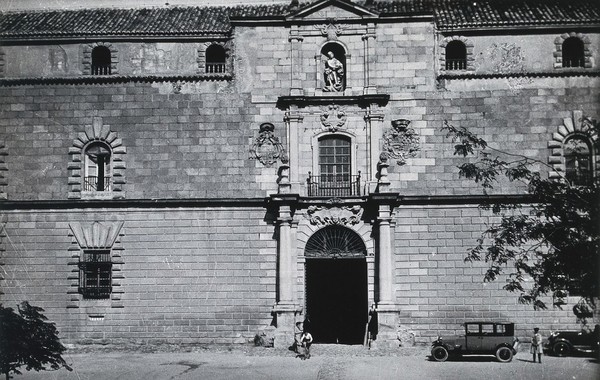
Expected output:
(216, 20)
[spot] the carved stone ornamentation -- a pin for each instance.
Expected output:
(266, 147)
(327, 216)
(333, 118)
(401, 142)
(331, 31)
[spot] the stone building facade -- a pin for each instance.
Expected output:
(199, 175)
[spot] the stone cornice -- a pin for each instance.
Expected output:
(110, 79)
(559, 73)
(302, 202)
(283, 102)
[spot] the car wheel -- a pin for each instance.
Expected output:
(561, 349)
(504, 354)
(439, 354)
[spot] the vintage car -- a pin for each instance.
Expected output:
(563, 343)
(481, 338)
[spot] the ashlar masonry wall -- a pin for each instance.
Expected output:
(188, 275)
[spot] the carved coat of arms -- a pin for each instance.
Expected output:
(401, 142)
(333, 118)
(266, 147)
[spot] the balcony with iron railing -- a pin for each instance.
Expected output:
(333, 185)
(91, 183)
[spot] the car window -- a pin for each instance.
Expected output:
(472, 329)
(487, 329)
(500, 329)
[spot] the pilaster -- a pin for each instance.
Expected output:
(295, 40)
(374, 124)
(293, 119)
(369, 56)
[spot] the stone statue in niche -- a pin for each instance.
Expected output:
(334, 74)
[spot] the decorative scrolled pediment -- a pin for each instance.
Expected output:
(326, 216)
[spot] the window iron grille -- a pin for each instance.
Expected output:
(215, 67)
(94, 183)
(95, 274)
(333, 185)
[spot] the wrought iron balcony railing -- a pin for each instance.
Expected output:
(91, 183)
(333, 185)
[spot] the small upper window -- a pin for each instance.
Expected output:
(578, 161)
(97, 168)
(95, 274)
(456, 56)
(215, 59)
(573, 53)
(101, 61)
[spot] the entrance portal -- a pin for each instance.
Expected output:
(336, 286)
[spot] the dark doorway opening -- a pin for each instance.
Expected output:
(336, 299)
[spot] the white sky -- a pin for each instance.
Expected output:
(11, 5)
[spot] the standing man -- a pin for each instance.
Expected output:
(536, 345)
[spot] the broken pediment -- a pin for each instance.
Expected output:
(332, 10)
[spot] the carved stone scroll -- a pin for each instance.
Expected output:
(324, 216)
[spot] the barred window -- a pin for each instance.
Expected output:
(95, 274)
(573, 53)
(97, 168)
(101, 61)
(215, 59)
(578, 161)
(456, 56)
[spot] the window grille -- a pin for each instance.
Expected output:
(215, 59)
(573, 53)
(101, 61)
(335, 178)
(456, 56)
(578, 161)
(95, 274)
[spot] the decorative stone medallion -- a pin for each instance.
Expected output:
(333, 118)
(331, 31)
(326, 216)
(401, 142)
(266, 147)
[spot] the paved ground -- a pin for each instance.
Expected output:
(328, 362)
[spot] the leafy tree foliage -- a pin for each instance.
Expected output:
(548, 245)
(27, 339)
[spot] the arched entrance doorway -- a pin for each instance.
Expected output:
(336, 286)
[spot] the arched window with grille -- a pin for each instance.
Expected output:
(101, 61)
(215, 59)
(573, 52)
(456, 55)
(578, 161)
(97, 168)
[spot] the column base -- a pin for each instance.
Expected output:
(285, 320)
(387, 337)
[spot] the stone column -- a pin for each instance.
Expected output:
(287, 305)
(295, 40)
(386, 302)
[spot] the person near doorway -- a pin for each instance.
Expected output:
(305, 342)
(536, 345)
(372, 325)
(298, 330)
